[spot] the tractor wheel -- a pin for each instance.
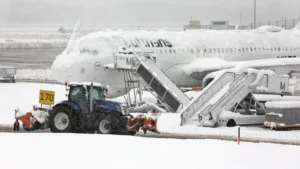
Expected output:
(122, 127)
(107, 125)
(61, 120)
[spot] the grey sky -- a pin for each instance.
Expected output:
(142, 12)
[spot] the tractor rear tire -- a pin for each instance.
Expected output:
(62, 120)
(107, 124)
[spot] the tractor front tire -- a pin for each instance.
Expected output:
(61, 120)
(107, 124)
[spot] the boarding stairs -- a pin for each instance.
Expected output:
(225, 92)
(144, 67)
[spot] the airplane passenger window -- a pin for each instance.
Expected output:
(263, 48)
(95, 52)
(227, 51)
(275, 49)
(243, 49)
(271, 49)
(286, 49)
(231, 50)
(174, 51)
(161, 51)
(259, 49)
(170, 51)
(209, 50)
(214, 50)
(192, 51)
(239, 50)
(251, 50)
(254, 50)
(166, 51)
(278, 49)
(246, 49)
(218, 50)
(223, 50)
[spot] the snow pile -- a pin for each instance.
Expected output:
(147, 107)
(146, 97)
(40, 74)
(214, 64)
(283, 104)
(207, 64)
(269, 29)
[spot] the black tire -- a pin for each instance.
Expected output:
(231, 123)
(62, 120)
(131, 133)
(107, 124)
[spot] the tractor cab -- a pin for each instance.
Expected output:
(86, 93)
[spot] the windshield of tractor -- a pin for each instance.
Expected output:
(97, 93)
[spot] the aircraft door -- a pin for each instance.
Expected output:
(201, 51)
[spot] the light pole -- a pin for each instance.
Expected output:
(283, 24)
(254, 14)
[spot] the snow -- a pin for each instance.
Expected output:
(283, 104)
(40, 74)
(208, 64)
(269, 28)
(77, 151)
(146, 97)
(25, 95)
(261, 97)
(85, 83)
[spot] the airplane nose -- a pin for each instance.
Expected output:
(61, 68)
(76, 68)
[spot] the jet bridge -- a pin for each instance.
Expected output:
(230, 90)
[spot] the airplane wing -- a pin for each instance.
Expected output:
(201, 67)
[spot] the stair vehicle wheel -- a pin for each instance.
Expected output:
(107, 125)
(61, 120)
(231, 123)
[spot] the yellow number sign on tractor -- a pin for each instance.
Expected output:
(47, 97)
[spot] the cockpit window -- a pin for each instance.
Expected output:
(89, 52)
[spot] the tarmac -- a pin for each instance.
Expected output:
(9, 129)
(40, 58)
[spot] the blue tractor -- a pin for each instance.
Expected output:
(87, 111)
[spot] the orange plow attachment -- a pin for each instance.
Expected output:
(144, 122)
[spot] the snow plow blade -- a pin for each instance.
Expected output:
(144, 122)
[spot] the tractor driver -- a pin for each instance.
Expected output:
(81, 99)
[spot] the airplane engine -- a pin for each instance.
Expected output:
(210, 77)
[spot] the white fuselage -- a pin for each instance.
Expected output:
(174, 50)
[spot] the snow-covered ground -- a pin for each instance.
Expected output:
(36, 74)
(78, 151)
(25, 95)
(54, 150)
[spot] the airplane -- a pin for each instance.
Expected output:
(189, 58)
